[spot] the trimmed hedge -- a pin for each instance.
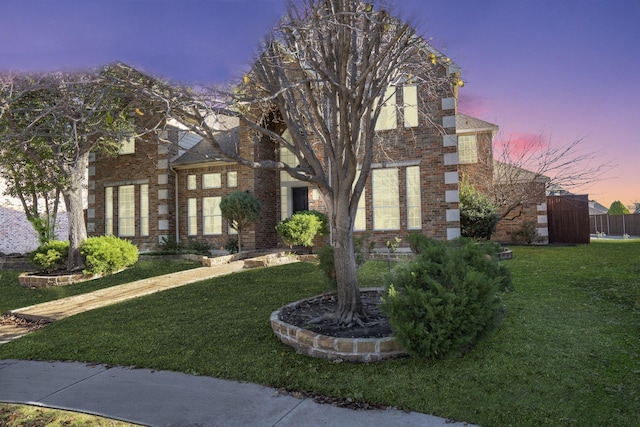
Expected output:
(107, 254)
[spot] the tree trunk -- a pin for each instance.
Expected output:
(72, 194)
(350, 311)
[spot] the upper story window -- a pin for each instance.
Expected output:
(127, 145)
(211, 180)
(467, 149)
(232, 179)
(388, 118)
(191, 182)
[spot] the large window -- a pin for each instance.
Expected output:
(192, 217)
(387, 118)
(467, 149)
(211, 180)
(410, 101)
(126, 211)
(414, 216)
(360, 222)
(127, 145)
(108, 210)
(386, 199)
(211, 215)
(144, 209)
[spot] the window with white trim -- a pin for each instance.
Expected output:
(414, 211)
(211, 215)
(192, 216)
(191, 182)
(386, 199)
(211, 180)
(360, 223)
(127, 145)
(387, 118)
(410, 107)
(232, 179)
(126, 211)
(467, 149)
(144, 209)
(108, 211)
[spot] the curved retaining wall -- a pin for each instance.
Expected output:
(332, 348)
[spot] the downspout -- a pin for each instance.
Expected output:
(177, 204)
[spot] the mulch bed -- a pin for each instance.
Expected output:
(302, 314)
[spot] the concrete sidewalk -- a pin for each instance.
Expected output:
(162, 398)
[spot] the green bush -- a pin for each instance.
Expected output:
(169, 245)
(51, 256)
(231, 245)
(445, 300)
(299, 229)
(527, 233)
(107, 254)
(478, 214)
(201, 247)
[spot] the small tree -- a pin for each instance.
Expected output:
(478, 214)
(617, 208)
(300, 229)
(241, 209)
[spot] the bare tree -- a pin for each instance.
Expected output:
(524, 172)
(322, 75)
(54, 121)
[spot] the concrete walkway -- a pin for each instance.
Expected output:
(163, 398)
(65, 307)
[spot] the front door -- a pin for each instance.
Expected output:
(300, 197)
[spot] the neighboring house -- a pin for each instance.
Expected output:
(596, 208)
(17, 235)
(154, 190)
(520, 194)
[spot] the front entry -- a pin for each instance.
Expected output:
(300, 197)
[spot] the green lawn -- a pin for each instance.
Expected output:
(567, 354)
(13, 296)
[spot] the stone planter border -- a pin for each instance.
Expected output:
(33, 280)
(339, 349)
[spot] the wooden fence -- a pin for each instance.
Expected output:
(568, 219)
(615, 225)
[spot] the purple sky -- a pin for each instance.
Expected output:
(566, 69)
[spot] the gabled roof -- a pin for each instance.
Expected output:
(596, 208)
(504, 173)
(195, 149)
(468, 124)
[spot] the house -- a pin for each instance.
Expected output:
(519, 193)
(596, 208)
(169, 185)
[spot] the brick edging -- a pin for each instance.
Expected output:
(326, 347)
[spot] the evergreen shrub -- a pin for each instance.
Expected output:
(299, 229)
(51, 256)
(445, 300)
(107, 254)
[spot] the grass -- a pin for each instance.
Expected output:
(567, 354)
(15, 296)
(23, 415)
